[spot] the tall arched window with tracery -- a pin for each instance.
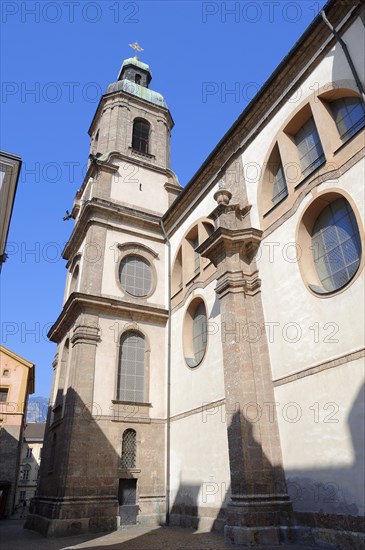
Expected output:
(129, 449)
(132, 363)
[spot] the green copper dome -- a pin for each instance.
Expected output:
(134, 78)
(137, 90)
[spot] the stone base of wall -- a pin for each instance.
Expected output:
(72, 526)
(58, 517)
(267, 536)
(336, 530)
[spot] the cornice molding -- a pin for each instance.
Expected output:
(100, 210)
(79, 304)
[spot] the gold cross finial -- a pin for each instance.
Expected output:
(136, 47)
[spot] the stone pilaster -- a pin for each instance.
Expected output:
(260, 509)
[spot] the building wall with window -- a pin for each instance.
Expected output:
(16, 383)
(30, 460)
(209, 346)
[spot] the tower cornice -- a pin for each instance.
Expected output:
(103, 211)
(79, 303)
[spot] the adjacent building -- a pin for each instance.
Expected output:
(209, 369)
(30, 460)
(9, 174)
(16, 384)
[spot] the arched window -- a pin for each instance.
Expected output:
(137, 78)
(177, 273)
(74, 279)
(62, 374)
(195, 333)
(141, 132)
(131, 379)
(349, 114)
(129, 449)
(96, 141)
(336, 246)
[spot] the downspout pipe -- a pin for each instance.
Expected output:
(168, 400)
(347, 55)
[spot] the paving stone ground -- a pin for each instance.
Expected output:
(14, 537)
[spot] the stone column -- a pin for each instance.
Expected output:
(259, 510)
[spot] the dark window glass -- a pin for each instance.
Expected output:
(132, 368)
(141, 131)
(310, 148)
(349, 113)
(336, 245)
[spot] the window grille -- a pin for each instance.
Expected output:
(309, 147)
(349, 114)
(128, 458)
(135, 276)
(140, 139)
(336, 245)
(132, 368)
(280, 190)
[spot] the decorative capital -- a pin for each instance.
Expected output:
(86, 334)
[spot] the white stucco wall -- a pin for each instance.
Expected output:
(321, 421)
(139, 187)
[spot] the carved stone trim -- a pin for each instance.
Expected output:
(85, 334)
(83, 303)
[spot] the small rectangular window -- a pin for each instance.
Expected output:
(4, 395)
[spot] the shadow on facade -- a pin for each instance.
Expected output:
(9, 452)
(329, 497)
(79, 481)
(78, 496)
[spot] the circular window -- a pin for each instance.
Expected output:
(135, 276)
(195, 333)
(330, 233)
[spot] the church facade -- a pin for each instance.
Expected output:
(209, 370)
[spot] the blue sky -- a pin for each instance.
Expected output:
(57, 59)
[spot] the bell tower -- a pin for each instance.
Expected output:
(131, 129)
(103, 460)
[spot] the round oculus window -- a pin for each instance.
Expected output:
(336, 246)
(135, 276)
